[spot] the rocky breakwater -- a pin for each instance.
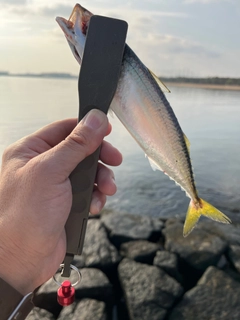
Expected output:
(140, 268)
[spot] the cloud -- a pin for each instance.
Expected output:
(170, 55)
(14, 2)
(57, 10)
(64, 9)
(178, 45)
(46, 11)
(206, 1)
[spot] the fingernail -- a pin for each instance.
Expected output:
(94, 119)
(96, 206)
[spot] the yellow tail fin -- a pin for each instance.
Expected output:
(203, 208)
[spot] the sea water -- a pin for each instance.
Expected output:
(209, 118)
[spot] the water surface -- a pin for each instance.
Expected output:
(209, 118)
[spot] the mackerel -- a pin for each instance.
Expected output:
(141, 105)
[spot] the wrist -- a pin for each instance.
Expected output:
(14, 272)
(13, 304)
(23, 287)
(16, 280)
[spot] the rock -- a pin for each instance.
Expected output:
(46, 297)
(94, 285)
(141, 251)
(200, 249)
(148, 290)
(223, 262)
(86, 309)
(98, 252)
(127, 227)
(89, 309)
(216, 297)
(228, 232)
(67, 312)
(39, 314)
(234, 256)
(173, 220)
(168, 262)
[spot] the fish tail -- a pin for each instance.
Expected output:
(195, 210)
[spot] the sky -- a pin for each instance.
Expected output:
(189, 38)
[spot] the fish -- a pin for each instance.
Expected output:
(141, 105)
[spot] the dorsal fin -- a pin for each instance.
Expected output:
(162, 86)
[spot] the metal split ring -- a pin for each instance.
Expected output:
(73, 268)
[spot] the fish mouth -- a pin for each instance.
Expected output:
(75, 29)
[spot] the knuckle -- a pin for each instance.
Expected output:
(78, 139)
(8, 154)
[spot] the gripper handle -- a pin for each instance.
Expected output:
(98, 79)
(82, 195)
(82, 181)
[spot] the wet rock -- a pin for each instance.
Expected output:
(94, 285)
(148, 290)
(200, 249)
(216, 297)
(86, 309)
(141, 251)
(39, 314)
(98, 252)
(168, 262)
(127, 227)
(234, 256)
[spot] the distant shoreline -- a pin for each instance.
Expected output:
(51, 75)
(202, 83)
(203, 86)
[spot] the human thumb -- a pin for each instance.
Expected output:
(82, 141)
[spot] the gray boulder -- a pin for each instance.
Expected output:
(141, 251)
(39, 314)
(234, 256)
(168, 261)
(148, 290)
(228, 232)
(127, 227)
(94, 285)
(98, 252)
(200, 249)
(67, 312)
(46, 297)
(86, 309)
(216, 297)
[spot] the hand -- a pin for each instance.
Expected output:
(36, 196)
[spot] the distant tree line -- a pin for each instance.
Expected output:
(39, 75)
(210, 80)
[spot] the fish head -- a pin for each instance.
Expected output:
(75, 29)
